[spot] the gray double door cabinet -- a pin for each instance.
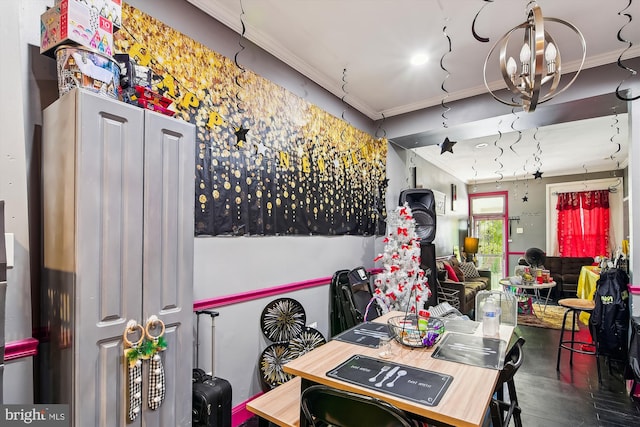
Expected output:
(118, 188)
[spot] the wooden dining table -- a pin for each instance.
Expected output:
(464, 403)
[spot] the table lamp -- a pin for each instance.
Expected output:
(471, 248)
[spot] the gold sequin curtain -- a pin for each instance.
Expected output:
(297, 170)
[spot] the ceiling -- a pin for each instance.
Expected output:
(360, 50)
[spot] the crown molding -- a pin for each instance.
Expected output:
(230, 18)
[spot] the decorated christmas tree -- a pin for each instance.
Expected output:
(402, 285)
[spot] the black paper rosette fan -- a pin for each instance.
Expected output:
(282, 319)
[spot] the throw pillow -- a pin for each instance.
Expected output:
(469, 270)
(459, 272)
(453, 261)
(451, 274)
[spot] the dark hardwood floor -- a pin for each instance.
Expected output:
(571, 396)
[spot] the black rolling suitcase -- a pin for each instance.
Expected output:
(211, 395)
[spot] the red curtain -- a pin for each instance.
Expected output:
(595, 208)
(583, 223)
(570, 241)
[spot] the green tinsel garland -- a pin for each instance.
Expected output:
(146, 350)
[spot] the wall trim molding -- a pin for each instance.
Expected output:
(22, 348)
(258, 293)
(264, 292)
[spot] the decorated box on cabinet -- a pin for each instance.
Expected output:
(110, 9)
(91, 70)
(74, 21)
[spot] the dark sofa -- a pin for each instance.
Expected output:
(565, 272)
(462, 293)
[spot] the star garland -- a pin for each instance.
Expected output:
(241, 136)
(447, 145)
(537, 156)
(240, 132)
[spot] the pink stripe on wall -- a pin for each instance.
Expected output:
(18, 349)
(264, 292)
(258, 293)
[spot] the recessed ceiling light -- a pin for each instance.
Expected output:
(482, 145)
(419, 59)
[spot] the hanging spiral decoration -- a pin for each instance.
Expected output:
(525, 198)
(631, 71)
(497, 159)
(537, 155)
(475, 175)
(344, 103)
(519, 138)
(524, 169)
(344, 93)
(378, 208)
(617, 145)
(239, 102)
(473, 24)
(380, 131)
(442, 86)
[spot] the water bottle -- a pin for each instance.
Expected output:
(490, 319)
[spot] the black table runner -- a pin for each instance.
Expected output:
(417, 385)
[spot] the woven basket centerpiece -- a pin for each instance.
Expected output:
(414, 331)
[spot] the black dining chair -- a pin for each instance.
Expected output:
(501, 410)
(324, 406)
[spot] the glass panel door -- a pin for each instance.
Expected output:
(489, 213)
(491, 248)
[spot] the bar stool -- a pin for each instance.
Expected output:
(575, 306)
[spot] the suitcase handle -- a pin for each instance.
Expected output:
(213, 315)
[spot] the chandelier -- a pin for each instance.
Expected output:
(537, 79)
